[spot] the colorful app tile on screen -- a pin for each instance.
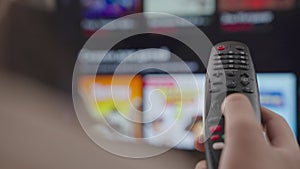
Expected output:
(95, 9)
(173, 108)
(115, 101)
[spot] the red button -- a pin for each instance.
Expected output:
(221, 47)
(217, 128)
(215, 137)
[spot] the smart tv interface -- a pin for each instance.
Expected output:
(270, 28)
(166, 99)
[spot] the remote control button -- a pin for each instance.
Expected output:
(215, 137)
(229, 67)
(220, 62)
(221, 47)
(230, 52)
(238, 47)
(247, 90)
(217, 128)
(218, 146)
(214, 90)
(241, 53)
(217, 74)
(223, 137)
(245, 80)
(218, 67)
(231, 84)
(230, 57)
(221, 53)
(244, 62)
(230, 73)
(242, 57)
(242, 67)
(218, 57)
(230, 61)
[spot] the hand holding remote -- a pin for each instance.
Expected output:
(246, 146)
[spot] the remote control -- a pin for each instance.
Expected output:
(230, 70)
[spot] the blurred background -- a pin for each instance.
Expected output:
(39, 45)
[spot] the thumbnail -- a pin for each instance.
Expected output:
(115, 101)
(173, 109)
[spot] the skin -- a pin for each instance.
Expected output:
(246, 146)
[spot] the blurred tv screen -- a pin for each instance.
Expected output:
(269, 28)
(171, 105)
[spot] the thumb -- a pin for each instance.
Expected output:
(241, 125)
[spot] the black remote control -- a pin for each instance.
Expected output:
(230, 70)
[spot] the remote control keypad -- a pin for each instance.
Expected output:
(233, 60)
